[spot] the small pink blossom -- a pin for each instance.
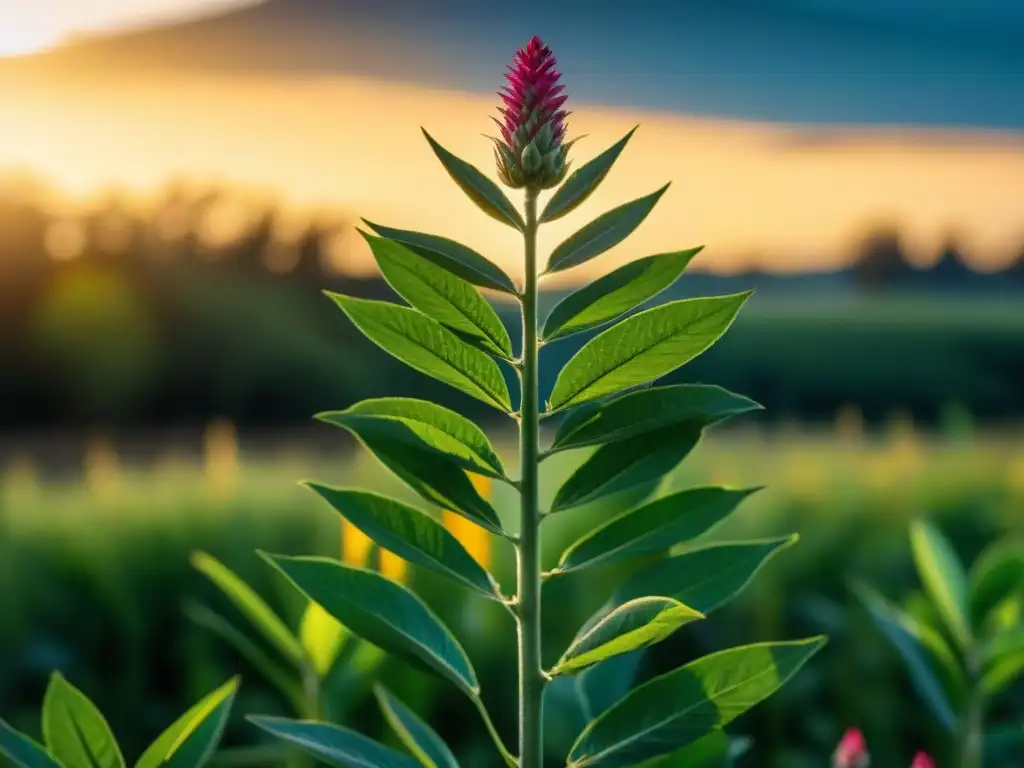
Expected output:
(922, 760)
(852, 751)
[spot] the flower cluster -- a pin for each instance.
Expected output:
(852, 752)
(531, 152)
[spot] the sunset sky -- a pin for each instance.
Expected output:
(759, 192)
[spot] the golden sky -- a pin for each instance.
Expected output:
(774, 196)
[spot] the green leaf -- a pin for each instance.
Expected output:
(416, 735)
(644, 347)
(436, 292)
(583, 181)
(458, 259)
(334, 745)
(711, 751)
(678, 708)
(436, 479)
(428, 347)
(943, 577)
(705, 578)
(22, 751)
(1003, 673)
(634, 625)
(647, 410)
(381, 612)
(280, 677)
(75, 731)
(656, 526)
(485, 193)
(902, 631)
(626, 464)
(251, 605)
(615, 294)
(997, 573)
(1006, 642)
(605, 232)
(191, 741)
(410, 534)
(428, 427)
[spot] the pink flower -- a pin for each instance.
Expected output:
(922, 760)
(531, 151)
(852, 751)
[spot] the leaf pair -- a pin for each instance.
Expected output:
(347, 749)
(77, 735)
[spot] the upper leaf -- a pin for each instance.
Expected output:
(603, 233)
(634, 625)
(680, 707)
(644, 347)
(75, 731)
(481, 190)
(432, 428)
(615, 294)
(191, 741)
(436, 292)
(997, 573)
(626, 464)
(410, 534)
(334, 745)
(943, 577)
(583, 181)
(22, 751)
(904, 632)
(427, 346)
(418, 737)
(656, 526)
(434, 477)
(382, 612)
(646, 410)
(252, 605)
(455, 257)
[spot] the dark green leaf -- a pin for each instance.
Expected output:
(438, 480)
(274, 673)
(481, 190)
(583, 181)
(191, 741)
(630, 627)
(605, 232)
(903, 632)
(943, 577)
(637, 413)
(711, 751)
(705, 578)
(431, 428)
(615, 294)
(334, 745)
(997, 573)
(436, 292)
(418, 737)
(626, 464)
(251, 605)
(678, 708)
(382, 612)
(1003, 673)
(448, 254)
(644, 347)
(410, 534)
(428, 347)
(75, 731)
(22, 751)
(656, 526)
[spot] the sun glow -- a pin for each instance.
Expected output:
(17, 40)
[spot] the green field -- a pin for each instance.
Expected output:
(94, 577)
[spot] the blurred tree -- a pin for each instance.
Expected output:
(881, 260)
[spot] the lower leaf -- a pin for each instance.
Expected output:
(678, 708)
(334, 745)
(191, 741)
(22, 751)
(418, 737)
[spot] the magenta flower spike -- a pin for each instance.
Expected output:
(852, 751)
(531, 151)
(922, 760)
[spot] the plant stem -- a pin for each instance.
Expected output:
(531, 673)
(310, 711)
(971, 746)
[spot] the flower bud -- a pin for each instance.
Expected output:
(852, 751)
(531, 152)
(922, 760)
